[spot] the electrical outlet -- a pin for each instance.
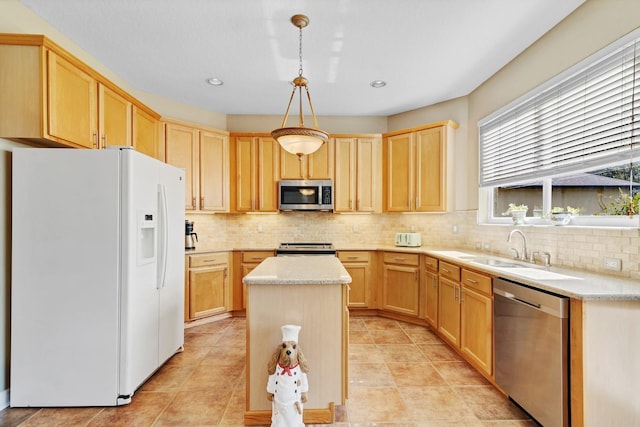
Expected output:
(614, 264)
(259, 228)
(454, 228)
(486, 246)
(356, 228)
(413, 228)
(478, 246)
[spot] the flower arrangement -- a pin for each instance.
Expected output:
(623, 204)
(517, 212)
(515, 208)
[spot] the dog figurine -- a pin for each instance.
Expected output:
(287, 386)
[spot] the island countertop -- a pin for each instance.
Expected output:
(298, 270)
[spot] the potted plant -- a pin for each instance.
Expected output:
(624, 204)
(517, 212)
(562, 216)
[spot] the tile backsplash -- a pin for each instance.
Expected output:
(581, 248)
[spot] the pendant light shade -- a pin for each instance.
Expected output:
(300, 140)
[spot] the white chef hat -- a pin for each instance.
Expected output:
(290, 332)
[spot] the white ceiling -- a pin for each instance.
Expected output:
(426, 50)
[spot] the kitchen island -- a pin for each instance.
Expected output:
(310, 291)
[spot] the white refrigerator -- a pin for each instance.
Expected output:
(97, 274)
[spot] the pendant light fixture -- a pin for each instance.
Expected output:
(300, 140)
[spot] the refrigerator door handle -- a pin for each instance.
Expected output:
(162, 238)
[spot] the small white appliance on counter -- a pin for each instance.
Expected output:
(97, 295)
(408, 239)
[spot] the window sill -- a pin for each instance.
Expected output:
(578, 221)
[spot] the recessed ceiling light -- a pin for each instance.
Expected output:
(378, 83)
(214, 81)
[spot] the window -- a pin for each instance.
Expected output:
(571, 144)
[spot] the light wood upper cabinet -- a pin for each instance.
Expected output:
(214, 171)
(318, 165)
(181, 150)
(204, 155)
(73, 102)
(255, 161)
(115, 118)
(147, 134)
(418, 169)
(51, 98)
(357, 174)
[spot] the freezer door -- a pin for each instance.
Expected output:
(65, 277)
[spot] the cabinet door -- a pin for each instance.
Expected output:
(292, 166)
(345, 182)
(431, 306)
(146, 134)
(430, 174)
(399, 185)
(476, 326)
(114, 118)
(317, 165)
(359, 286)
(181, 151)
(267, 186)
(208, 291)
(245, 174)
(73, 102)
(214, 172)
(449, 310)
(367, 170)
(320, 163)
(400, 289)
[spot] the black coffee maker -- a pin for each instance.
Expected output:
(190, 237)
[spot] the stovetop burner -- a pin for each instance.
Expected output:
(306, 248)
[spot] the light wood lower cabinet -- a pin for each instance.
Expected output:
(208, 289)
(401, 283)
(358, 265)
(430, 290)
(243, 263)
(465, 313)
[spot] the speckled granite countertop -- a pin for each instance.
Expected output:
(298, 270)
(576, 284)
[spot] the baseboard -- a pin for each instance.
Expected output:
(4, 399)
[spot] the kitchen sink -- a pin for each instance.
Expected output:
(540, 274)
(494, 262)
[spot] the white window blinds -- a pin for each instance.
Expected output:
(584, 121)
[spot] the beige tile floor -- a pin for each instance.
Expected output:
(399, 375)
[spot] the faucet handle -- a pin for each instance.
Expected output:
(516, 254)
(547, 259)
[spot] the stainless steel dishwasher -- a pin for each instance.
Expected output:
(531, 339)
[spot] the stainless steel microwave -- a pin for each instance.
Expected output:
(305, 195)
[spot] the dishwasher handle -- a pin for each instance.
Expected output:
(514, 298)
(536, 299)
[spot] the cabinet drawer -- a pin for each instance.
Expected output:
(401, 258)
(256, 256)
(353, 256)
(449, 271)
(203, 260)
(476, 281)
(431, 263)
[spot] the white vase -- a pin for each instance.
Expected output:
(518, 217)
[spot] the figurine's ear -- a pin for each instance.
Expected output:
(302, 361)
(271, 366)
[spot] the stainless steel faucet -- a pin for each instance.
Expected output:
(522, 255)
